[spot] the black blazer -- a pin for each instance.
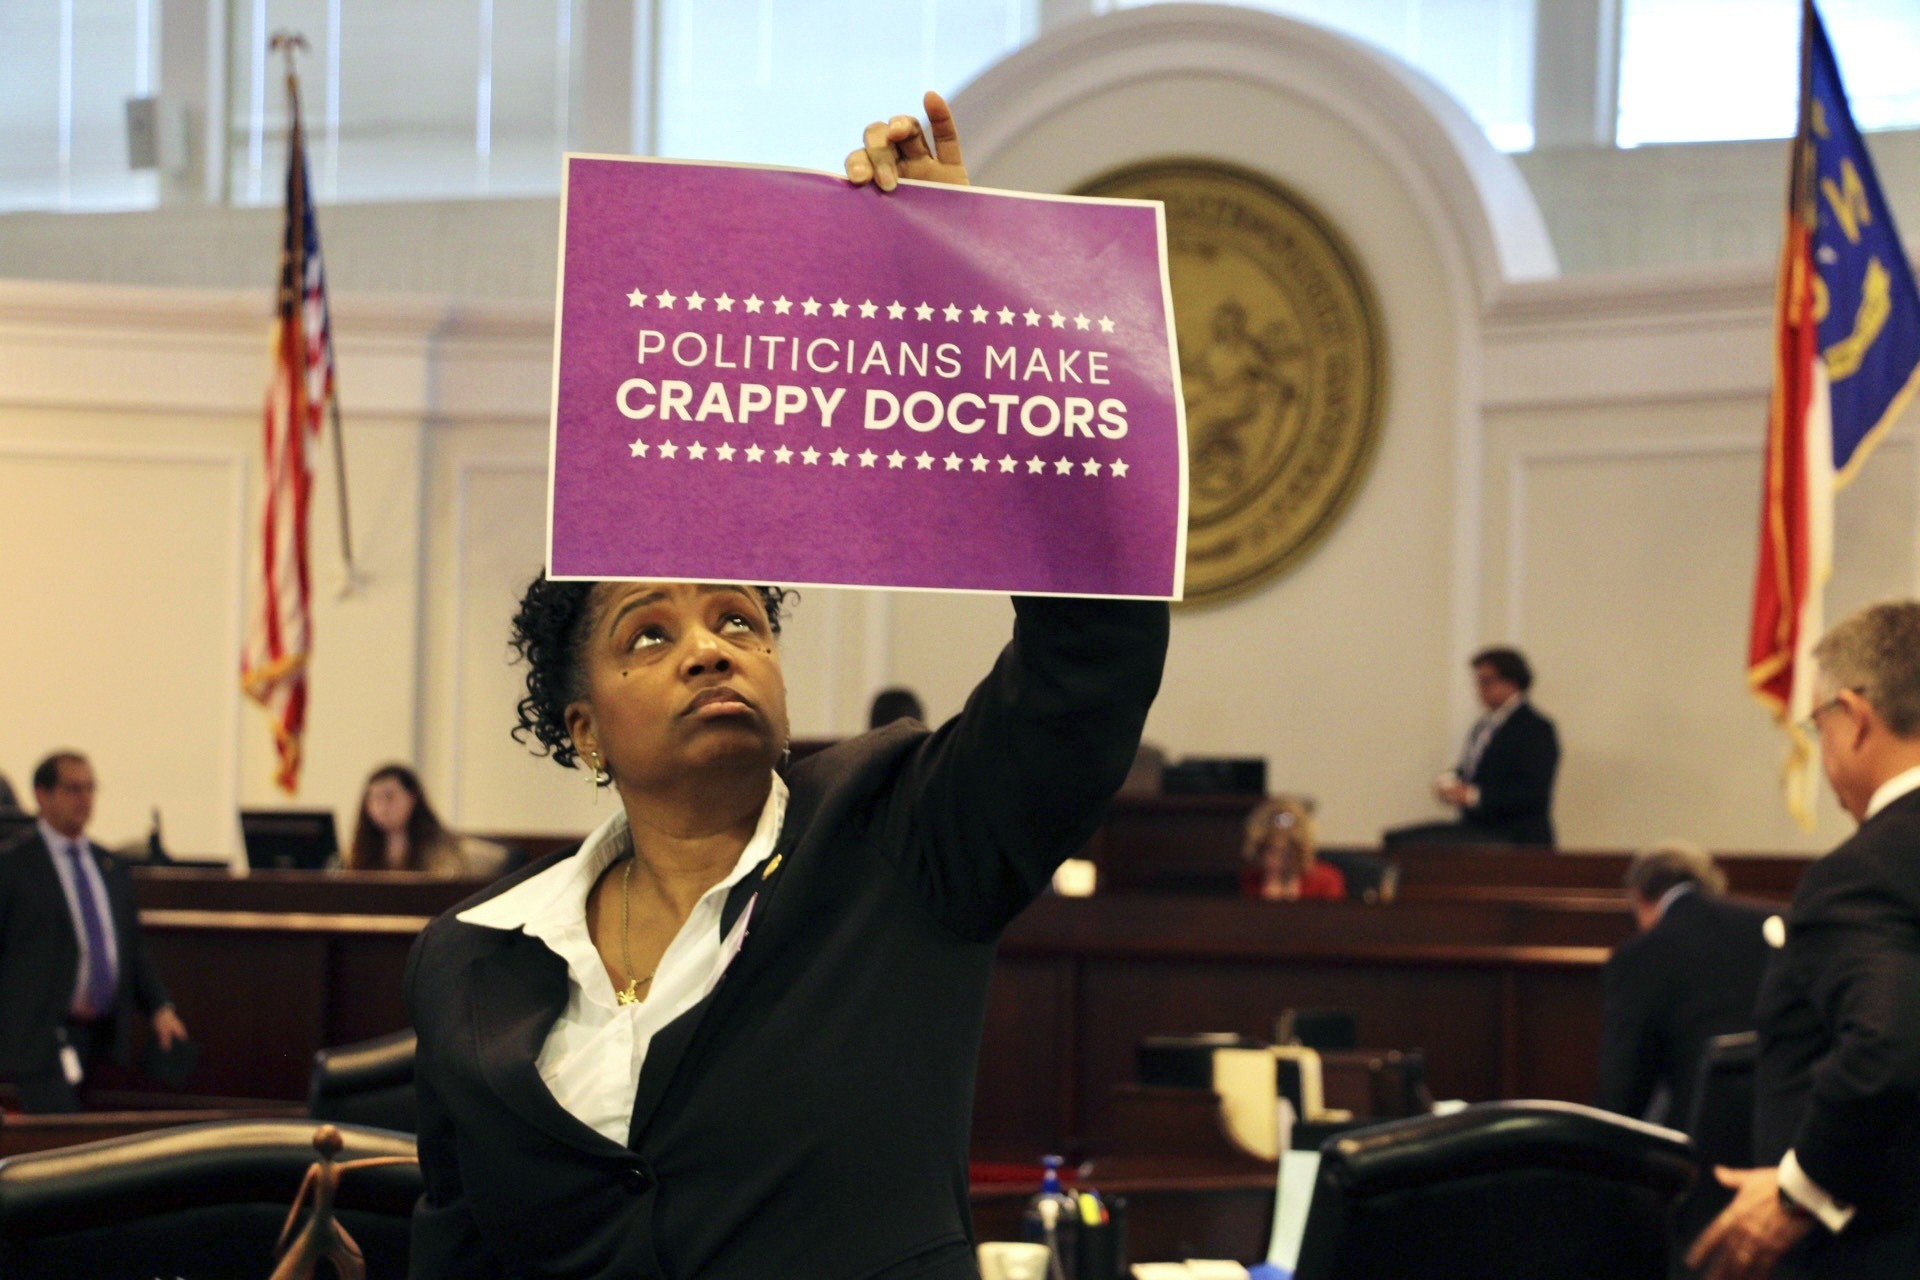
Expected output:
(810, 1117)
(1838, 1076)
(40, 955)
(1515, 777)
(1691, 977)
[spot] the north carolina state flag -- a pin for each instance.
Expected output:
(1846, 360)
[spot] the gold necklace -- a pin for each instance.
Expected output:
(630, 994)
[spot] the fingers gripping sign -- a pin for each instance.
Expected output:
(900, 148)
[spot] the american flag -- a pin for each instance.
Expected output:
(280, 635)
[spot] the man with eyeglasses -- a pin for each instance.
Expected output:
(73, 963)
(1837, 1083)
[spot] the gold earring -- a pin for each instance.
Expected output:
(598, 776)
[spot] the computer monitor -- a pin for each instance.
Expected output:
(288, 839)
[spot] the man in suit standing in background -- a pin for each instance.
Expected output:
(1837, 1081)
(73, 964)
(1503, 785)
(1690, 974)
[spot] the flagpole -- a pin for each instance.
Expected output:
(288, 42)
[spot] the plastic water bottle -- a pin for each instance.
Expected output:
(1050, 1219)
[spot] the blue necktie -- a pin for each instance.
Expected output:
(99, 966)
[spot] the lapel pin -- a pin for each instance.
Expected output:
(772, 866)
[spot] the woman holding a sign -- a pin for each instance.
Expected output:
(733, 1034)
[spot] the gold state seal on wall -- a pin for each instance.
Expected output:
(1282, 361)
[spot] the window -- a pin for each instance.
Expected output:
(432, 98)
(779, 82)
(1712, 70)
(70, 68)
(1480, 51)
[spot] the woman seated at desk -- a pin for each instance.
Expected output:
(397, 830)
(1280, 855)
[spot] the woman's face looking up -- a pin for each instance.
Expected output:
(681, 678)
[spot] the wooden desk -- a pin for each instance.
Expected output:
(1503, 995)
(262, 992)
(1755, 875)
(1170, 1216)
(371, 893)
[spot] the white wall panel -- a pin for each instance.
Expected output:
(122, 578)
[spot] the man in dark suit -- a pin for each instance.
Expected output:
(1503, 785)
(1837, 1081)
(73, 964)
(1689, 975)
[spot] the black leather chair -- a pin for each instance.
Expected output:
(368, 1083)
(1499, 1191)
(204, 1201)
(1720, 1119)
(1720, 1122)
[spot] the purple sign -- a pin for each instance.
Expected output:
(768, 375)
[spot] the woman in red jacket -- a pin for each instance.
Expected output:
(1279, 851)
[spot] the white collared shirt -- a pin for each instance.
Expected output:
(593, 1054)
(1483, 731)
(1892, 789)
(1793, 1179)
(91, 885)
(1668, 898)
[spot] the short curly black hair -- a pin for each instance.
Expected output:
(549, 633)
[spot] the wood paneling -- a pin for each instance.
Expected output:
(1502, 994)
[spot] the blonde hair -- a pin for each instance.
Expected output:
(1283, 814)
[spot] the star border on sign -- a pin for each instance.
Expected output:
(1064, 467)
(924, 461)
(1119, 468)
(896, 309)
(754, 304)
(924, 311)
(781, 306)
(1036, 466)
(810, 456)
(839, 307)
(723, 302)
(1091, 467)
(867, 309)
(638, 449)
(896, 460)
(839, 457)
(953, 461)
(1106, 325)
(636, 299)
(667, 448)
(810, 307)
(868, 457)
(724, 453)
(783, 454)
(755, 453)
(952, 312)
(695, 302)
(664, 299)
(697, 451)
